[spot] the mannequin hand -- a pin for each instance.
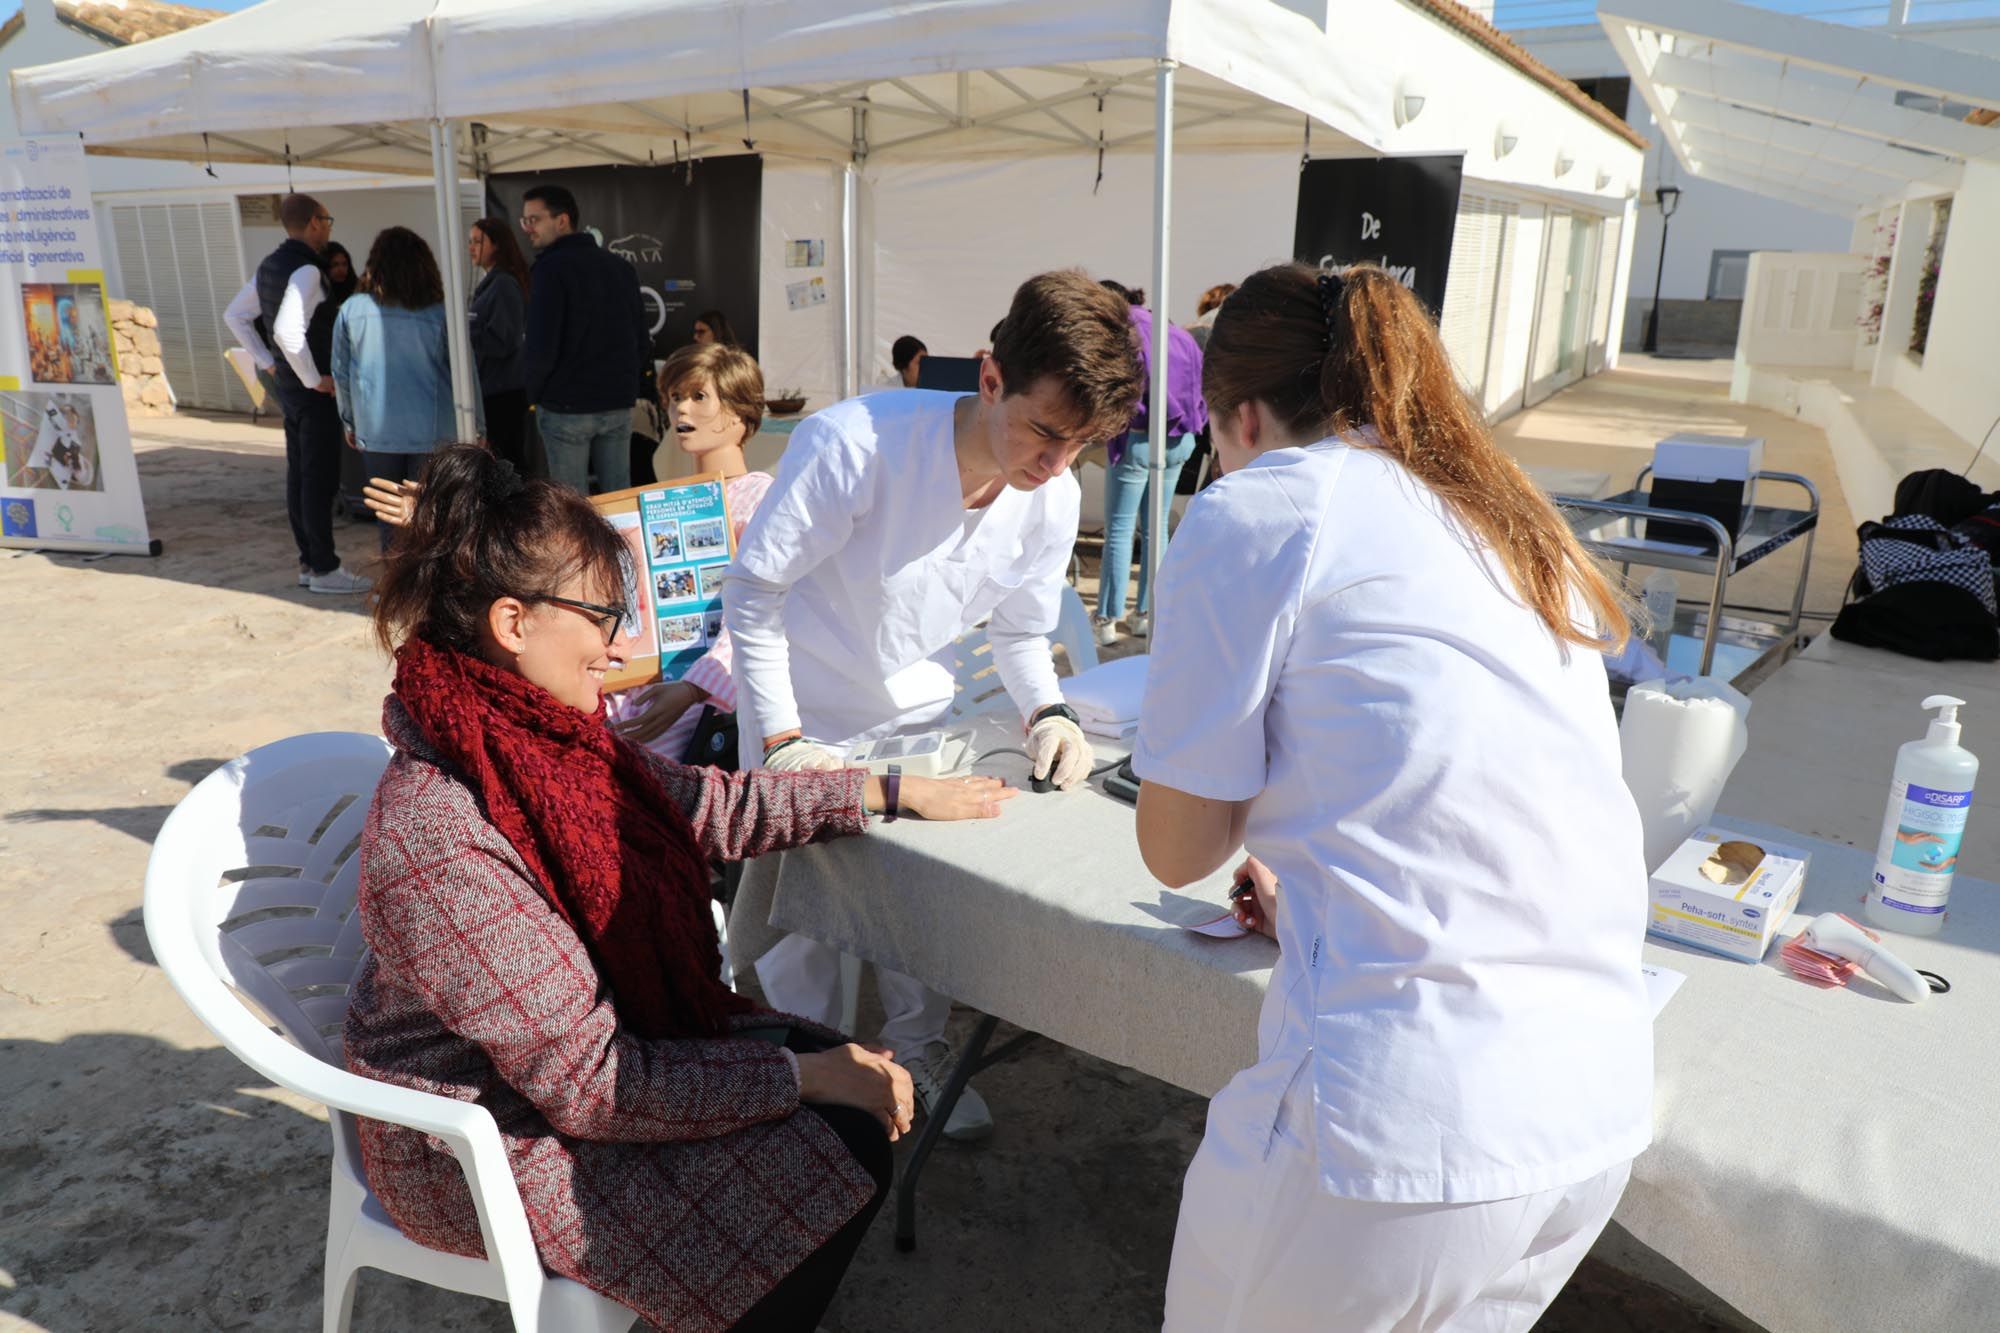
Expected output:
(803, 757)
(954, 798)
(1058, 750)
(864, 1077)
(657, 708)
(1259, 910)
(392, 502)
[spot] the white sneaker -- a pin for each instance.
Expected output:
(305, 576)
(1105, 629)
(1139, 624)
(970, 1120)
(339, 582)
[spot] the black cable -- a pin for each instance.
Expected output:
(1982, 447)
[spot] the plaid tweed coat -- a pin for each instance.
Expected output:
(676, 1177)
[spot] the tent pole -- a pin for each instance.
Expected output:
(850, 189)
(452, 264)
(1157, 503)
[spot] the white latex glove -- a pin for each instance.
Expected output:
(803, 756)
(1059, 751)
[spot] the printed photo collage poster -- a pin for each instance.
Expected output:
(69, 480)
(681, 543)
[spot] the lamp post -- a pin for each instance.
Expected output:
(1669, 198)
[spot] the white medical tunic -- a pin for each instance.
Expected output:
(862, 566)
(1435, 781)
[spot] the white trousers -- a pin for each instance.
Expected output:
(1260, 1248)
(802, 976)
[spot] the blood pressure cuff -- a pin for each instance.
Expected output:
(713, 744)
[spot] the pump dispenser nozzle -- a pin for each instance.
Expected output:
(1944, 727)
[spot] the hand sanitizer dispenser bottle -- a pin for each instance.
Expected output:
(1929, 800)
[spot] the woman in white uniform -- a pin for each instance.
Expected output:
(1377, 670)
(898, 521)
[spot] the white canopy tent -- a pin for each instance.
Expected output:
(1804, 110)
(450, 86)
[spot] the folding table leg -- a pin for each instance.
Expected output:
(934, 1121)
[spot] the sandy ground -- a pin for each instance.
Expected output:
(150, 1181)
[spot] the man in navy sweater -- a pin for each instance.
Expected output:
(587, 346)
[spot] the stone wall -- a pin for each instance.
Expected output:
(141, 374)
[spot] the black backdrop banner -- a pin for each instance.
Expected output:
(1398, 212)
(691, 236)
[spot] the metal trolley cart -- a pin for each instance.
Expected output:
(1704, 641)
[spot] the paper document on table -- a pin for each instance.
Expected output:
(1661, 983)
(1224, 927)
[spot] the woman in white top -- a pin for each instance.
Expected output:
(1377, 670)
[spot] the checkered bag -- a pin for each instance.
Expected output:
(1922, 589)
(1916, 548)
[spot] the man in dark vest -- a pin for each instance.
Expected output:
(289, 288)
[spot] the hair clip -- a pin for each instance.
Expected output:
(503, 482)
(1332, 291)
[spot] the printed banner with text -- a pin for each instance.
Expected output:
(1398, 212)
(70, 481)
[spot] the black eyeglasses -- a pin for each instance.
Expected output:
(611, 621)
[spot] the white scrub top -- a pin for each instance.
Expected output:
(864, 549)
(1436, 784)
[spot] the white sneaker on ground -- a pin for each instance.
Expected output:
(305, 576)
(1105, 629)
(970, 1120)
(338, 582)
(1140, 624)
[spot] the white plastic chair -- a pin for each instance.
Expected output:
(250, 902)
(1073, 633)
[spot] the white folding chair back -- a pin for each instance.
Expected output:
(250, 911)
(977, 680)
(1073, 634)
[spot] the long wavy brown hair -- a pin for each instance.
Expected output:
(1378, 362)
(507, 256)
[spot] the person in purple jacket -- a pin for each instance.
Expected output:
(1128, 474)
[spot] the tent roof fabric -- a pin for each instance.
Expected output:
(350, 85)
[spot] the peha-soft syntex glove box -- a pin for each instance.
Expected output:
(1726, 893)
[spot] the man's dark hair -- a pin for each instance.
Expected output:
(905, 350)
(558, 200)
(296, 212)
(1064, 325)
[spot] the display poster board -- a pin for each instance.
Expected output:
(70, 482)
(681, 542)
(692, 235)
(1398, 212)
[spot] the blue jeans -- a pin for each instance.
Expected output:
(579, 444)
(1126, 509)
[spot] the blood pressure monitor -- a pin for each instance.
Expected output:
(921, 755)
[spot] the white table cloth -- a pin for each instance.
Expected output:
(1821, 1159)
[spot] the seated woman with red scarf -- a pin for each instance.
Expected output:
(535, 896)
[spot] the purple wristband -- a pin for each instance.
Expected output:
(892, 790)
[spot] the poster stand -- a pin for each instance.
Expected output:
(68, 479)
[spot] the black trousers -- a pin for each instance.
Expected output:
(383, 466)
(796, 1304)
(314, 438)
(507, 427)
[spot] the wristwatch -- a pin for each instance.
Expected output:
(1055, 710)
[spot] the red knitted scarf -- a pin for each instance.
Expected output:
(615, 856)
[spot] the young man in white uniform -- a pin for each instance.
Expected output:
(1376, 669)
(898, 521)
